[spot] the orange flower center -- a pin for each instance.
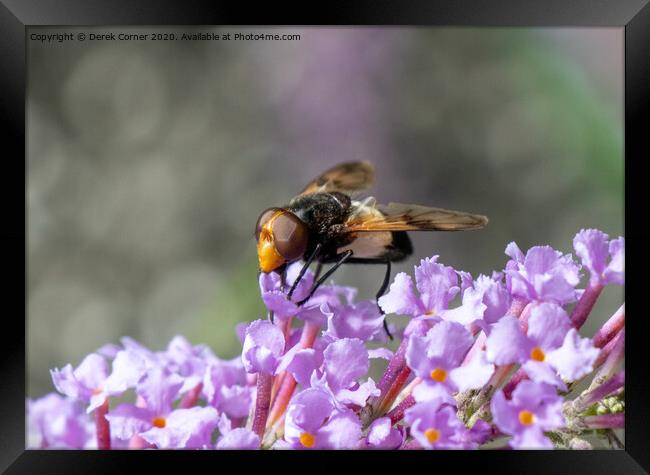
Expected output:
(159, 422)
(526, 417)
(439, 375)
(537, 354)
(307, 440)
(432, 435)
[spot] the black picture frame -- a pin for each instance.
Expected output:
(17, 15)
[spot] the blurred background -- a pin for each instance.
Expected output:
(149, 163)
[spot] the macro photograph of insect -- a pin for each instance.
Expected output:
(248, 238)
(324, 225)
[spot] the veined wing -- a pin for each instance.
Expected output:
(346, 177)
(409, 217)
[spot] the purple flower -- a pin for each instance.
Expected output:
(575, 358)
(225, 388)
(276, 298)
(437, 357)
(301, 363)
(184, 429)
(484, 299)
(86, 382)
(594, 248)
(56, 422)
(382, 435)
(344, 362)
(534, 408)
(550, 345)
(187, 361)
(362, 320)
(435, 426)
(543, 274)
(239, 439)
(313, 422)
(437, 285)
(263, 347)
(271, 283)
(157, 422)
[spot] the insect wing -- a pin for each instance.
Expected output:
(409, 217)
(345, 177)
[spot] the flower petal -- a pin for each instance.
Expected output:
(342, 431)
(507, 343)
(474, 375)
(547, 325)
(575, 358)
(591, 245)
(382, 435)
(127, 420)
(239, 439)
(437, 284)
(263, 346)
(401, 298)
(344, 362)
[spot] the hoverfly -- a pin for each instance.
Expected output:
(324, 224)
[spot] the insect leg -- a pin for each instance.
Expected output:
(283, 278)
(319, 268)
(381, 291)
(384, 285)
(308, 262)
(342, 258)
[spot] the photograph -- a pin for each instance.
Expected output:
(325, 238)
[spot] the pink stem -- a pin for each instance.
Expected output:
(477, 347)
(394, 390)
(518, 377)
(610, 328)
(137, 442)
(610, 356)
(285, 327)
(264, 383)
(397, 363)
(282, 399)
(583, 308)
(517, 307)
(397, 413)
(525, 315)
(590, 397)
(103, 428)
(192, 396)
(288, 384)
(606, 421)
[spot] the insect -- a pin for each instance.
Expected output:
(323, 224)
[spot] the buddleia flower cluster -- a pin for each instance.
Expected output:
(493, 361)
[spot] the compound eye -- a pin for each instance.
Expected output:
(290, 236)
(263, 219)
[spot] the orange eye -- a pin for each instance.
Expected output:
(263, 219)
(290, 236)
